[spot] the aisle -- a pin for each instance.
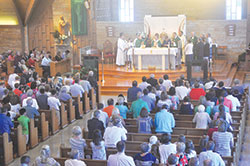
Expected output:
(55, 141)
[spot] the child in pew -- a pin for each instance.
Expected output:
(77, 142)
(24, 122)
(145, 122)
(98, 146)
(203, 142)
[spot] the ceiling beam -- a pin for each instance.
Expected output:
(20, 20)
(29, 10)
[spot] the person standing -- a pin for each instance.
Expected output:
(183, 44)
(121, 51)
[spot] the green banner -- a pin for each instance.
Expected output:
(79, 17)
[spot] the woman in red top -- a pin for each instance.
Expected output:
(31, 61)
(196, 92)
(180, 154)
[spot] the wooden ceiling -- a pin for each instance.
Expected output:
(17, 9)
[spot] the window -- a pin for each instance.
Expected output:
(126, 10)
(233, 9)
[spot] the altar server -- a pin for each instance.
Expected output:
(183, 44)
(121, 51)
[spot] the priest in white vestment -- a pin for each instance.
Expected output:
(121, 51)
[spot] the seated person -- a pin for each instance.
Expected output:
(164, 100)
(25, 160)
(166, 148)
(63, 95)
(144, 122)
(24, 122)
(120, 158)
(148, 100)
(145, 157)
(77, 142)
(5, 122)
(223, 140)
(103, 115)
(223, 115)
(189, 151)
(216, 108)
(110, 107)
(85, 84)
(152, 92)
(115, 133)
(172, 160)
(238, 87)
(123, 109)
(213, 128)
(30, 96)
(137, 106)
(235, 101)
(94, 124)
(131, 94)
(74, 159)
(186, 107)
(144, 83)
(196, 92)
(98, 146)
(194, 161)
(201, 118)
(42, 99)
(164, 121)
(152, 81)
(182, 158)
(31, 112)
(45, 158)
(209, 154)
(153, 140)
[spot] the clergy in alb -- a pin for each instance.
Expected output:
(121, 51)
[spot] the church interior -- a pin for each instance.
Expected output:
(77, 77)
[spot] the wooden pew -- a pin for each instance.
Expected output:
(80, 105)
(93, 99)
(65, 150)
(88, 162)
(19, 141)
(7, 148)
(62, 66)
(52, 119)
(70, 109)
(43, 127)
(10, 67)
(86, 103)
(33, 134)
(64, 116)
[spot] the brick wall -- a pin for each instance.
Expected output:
(10, 38)
(236, 44)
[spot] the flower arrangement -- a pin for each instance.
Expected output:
(63, 37)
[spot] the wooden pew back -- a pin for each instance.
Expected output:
(33, 134)
(7, 148)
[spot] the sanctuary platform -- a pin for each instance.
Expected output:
(119, 79)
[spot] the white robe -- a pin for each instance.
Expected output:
(121, 54)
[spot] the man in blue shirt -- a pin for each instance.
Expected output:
(148, 100)
(164, 121)
(76, 89)
(31, 112)
(132, 92)
(5, 121)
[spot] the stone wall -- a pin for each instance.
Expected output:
(10, 38)
(217, 28)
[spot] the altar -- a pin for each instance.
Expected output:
(161, 58)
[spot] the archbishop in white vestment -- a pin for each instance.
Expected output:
(121, 51)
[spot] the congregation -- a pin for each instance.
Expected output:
(152, 104)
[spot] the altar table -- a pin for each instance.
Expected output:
(161, 58)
